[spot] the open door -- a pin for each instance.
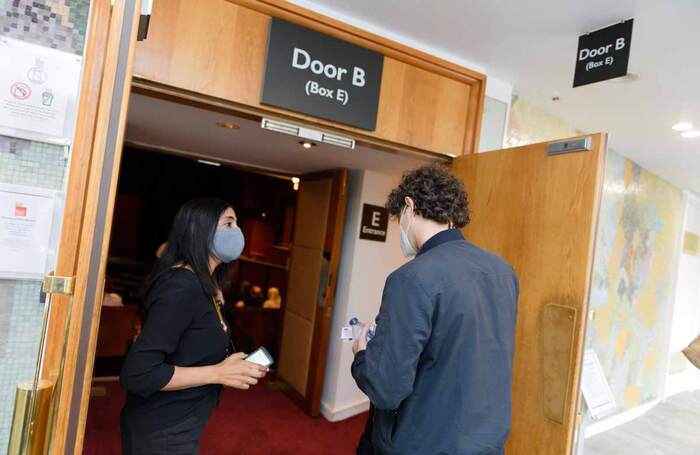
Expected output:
(311, 290)
(539, 212)
(75, 288)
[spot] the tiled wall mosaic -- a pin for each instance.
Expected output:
(40, 165)
(21, 315)
(61, 25)
(58, 24)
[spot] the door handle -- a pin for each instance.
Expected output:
(326, 286)
(30, 431)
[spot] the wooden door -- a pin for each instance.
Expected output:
(539, 213)
(311, 288)
(74, 317)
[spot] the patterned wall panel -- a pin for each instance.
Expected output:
(633, 274)
(529, 125)
(29, 164)
(633, 271)
(58, 24)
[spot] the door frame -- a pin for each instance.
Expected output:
(94, 170)
(95, 158)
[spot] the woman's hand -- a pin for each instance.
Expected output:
(236, 372)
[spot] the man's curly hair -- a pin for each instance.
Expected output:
(437, 195)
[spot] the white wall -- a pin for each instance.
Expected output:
(494, 123)
(363, 269)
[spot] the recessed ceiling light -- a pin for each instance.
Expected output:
(683, 126)
(691, 133)
(307, 144)
(228, 126)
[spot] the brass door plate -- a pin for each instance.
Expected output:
(558, 325)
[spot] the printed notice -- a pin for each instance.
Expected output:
(595, 387)
(26, 219)
(38, 86)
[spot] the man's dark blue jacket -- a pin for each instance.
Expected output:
(439, 368)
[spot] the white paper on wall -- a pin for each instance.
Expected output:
(38, 87)
(596, 390)
(26, 222)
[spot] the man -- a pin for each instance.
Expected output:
(438, 370)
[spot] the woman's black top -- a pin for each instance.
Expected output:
(181, 328)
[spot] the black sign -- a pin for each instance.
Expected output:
(319, 75)
(375, 221)
(603, 54)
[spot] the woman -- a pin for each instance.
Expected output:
(175, 369)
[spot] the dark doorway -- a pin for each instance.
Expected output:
(152, 187)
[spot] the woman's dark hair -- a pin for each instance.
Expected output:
(190, 241)
(437, 195)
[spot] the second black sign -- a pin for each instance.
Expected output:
(603, 54)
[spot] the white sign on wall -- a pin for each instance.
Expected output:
(596, 390)
(38, 89)
(26, 222)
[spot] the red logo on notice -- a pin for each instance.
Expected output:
(20, 210)
(20, 90)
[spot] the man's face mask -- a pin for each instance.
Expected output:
(406, 247)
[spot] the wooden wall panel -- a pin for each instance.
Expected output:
(218, 49)
(312, 213)
(206, 46)
(297, 339)
(306, 269)
(422, 109)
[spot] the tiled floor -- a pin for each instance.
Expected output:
(671, 428)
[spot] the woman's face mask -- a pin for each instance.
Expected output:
(228, 243)
(406, 247)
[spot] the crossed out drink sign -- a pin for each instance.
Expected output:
(36, 75)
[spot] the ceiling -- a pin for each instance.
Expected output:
(532, 44)
(182, 129)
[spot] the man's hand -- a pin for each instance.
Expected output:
(361, 343)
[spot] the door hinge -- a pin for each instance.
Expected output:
(579, 418)
(59, 284)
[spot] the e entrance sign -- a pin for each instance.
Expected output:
(375, 222)
(603, 54)
(322, 76)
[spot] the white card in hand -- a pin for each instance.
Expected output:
(261, 357)
(346, 334)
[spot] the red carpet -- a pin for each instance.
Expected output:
(254, 422)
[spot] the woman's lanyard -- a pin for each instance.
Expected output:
(231, 348)
(219, 315)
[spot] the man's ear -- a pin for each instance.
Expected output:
(409, 202)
